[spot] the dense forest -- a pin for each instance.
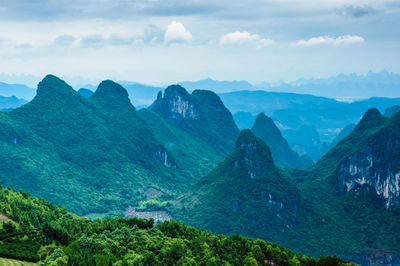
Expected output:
(99, 157)
(32, 229)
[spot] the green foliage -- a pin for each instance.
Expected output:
(283, 155)
(152, 205)
(98, 154)
(246, 194)
(118, 241)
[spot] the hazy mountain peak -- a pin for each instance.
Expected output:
(112, 94)
(54, 87)
(85, 92)
(266, 123)
(371, 118)
(252, 151)
(176, 103)
(176, 90)
(265, 128)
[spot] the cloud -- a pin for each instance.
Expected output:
(244, 37)
(117, 39)
(356, 11)
(64, 40)
(93, 41)
(23, 46)
(176, 32)
(153, 34)
(341, 40)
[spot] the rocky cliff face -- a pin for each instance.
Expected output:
(377, 162)
(162, 156)
(374, 166)
(201, 114)
(176, 103)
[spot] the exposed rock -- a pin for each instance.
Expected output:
(176, 103)
(161, 155)
(374, 166)
(158, 216)
(375, 259)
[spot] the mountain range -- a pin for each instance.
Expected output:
(184, 157)
(99, 155)
(349, 199)
(342, 86)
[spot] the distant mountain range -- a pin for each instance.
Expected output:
(217, 86)
(345, 87)
(97, 155)
(17, 90)
(9, 103)
(309, 123)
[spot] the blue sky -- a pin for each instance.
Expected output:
(153, 41)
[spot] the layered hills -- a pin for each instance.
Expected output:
(348, 201)
(99, 154)
(283, 155)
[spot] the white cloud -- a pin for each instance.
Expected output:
(176, 32)
(341, 40)
(244, 37)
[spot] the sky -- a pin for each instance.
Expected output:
(168, 41)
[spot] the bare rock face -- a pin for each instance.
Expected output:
(376, 166)
(176, 103)
(162, 156)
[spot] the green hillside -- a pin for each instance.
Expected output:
(39, 231)
(99, 155)
(283, 155)
(247, 194)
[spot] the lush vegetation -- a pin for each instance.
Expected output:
(247, 194)
(39, 231)
(98, 154)
(283, 155)
(213, 123)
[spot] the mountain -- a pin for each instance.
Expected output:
(217, 86)
(32, 229)
(268, 102)
(248, 194)
(201, 114)
(17, 90)
(371, 122)
(89, 155)
(292, 111)
(244, 120)
(283, 155)
(85, 92)
(306, 141)
(140, 94)
(342, 134)
(392, 110)
(10, 103)
(375, 161)
(350, 86)
(99, 155)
